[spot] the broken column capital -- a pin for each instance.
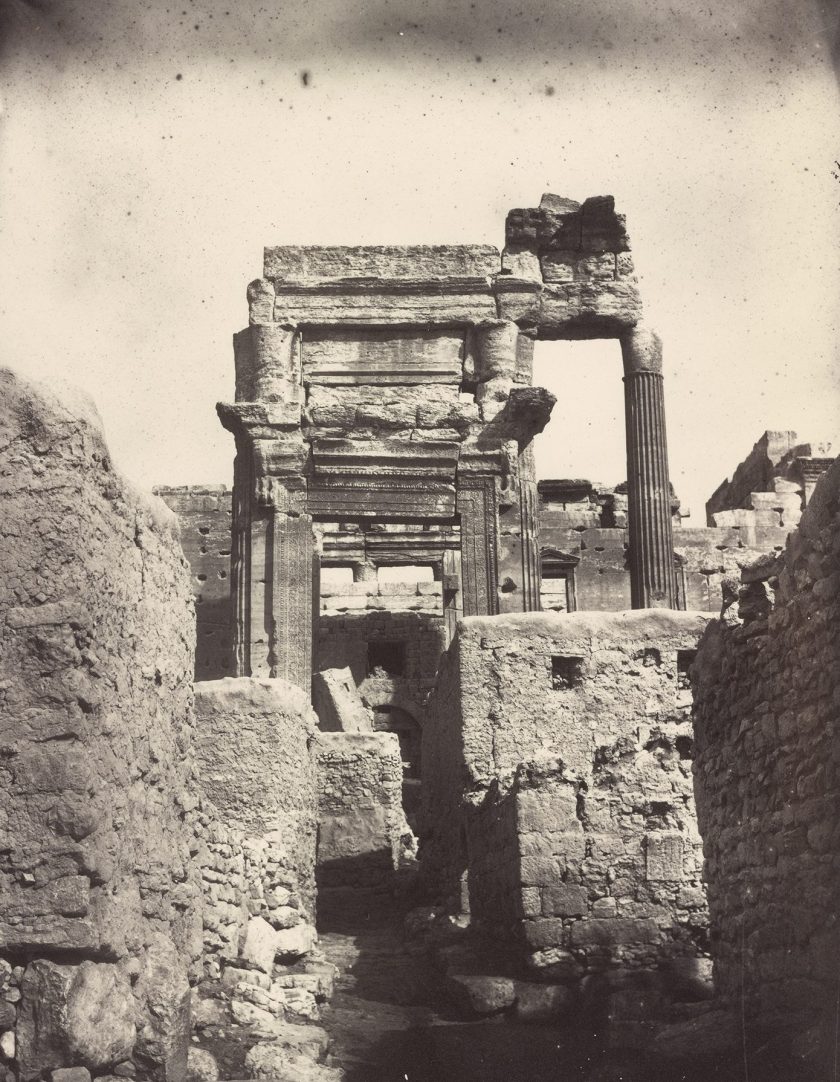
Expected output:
(641, 350)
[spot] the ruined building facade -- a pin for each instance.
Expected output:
(621, 793)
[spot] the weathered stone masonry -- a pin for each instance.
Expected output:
(100, 921)
(557, 774)
(394, 385)
(767, 706)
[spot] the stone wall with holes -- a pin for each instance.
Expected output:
(204, 512)
(767, 776)
(100, 925)
(362, 831)
(557, 770)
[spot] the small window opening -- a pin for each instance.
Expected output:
(566, 672)
(685, 659)
(386, 659)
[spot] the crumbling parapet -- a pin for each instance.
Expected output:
(100, 923)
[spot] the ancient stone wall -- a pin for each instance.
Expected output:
(361, 826)
(767, 776)
(557, 772)
(204, 512)
(255, 769)
(255, 825)
(99, 915)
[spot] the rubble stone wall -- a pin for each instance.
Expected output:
(767, 776)
(563, 744)
(204, 512)
(256, 824)
(99, 916)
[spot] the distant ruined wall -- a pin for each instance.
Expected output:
(767, 776)
(204, 512)
(557, 772)
(99, 915)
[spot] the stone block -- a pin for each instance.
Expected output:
(564, 900)
(337, 702)
(614, 932)
(71, 1074)
(543, 934)
(547, 810)
(201, 1065)
(295, 942)
(259, 945)
(301, 263)
(664, 856)
(81, 1014)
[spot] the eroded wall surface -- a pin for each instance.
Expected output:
(557, 773)
(767, 693)
(99, 921)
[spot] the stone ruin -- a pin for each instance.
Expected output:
(592, 746)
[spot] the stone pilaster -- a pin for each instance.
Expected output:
(273, 548)
(648, 489)
(477, 509)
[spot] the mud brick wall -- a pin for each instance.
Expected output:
(256, 825)
(204, 512)
(767, 693)
(573, 732)
(361, 823)
(98, 897)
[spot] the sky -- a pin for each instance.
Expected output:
(148, 152)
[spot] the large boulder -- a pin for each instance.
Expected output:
(74, 1015)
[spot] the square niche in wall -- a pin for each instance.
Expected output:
(685, 659)
(386, 659)
(566, 672)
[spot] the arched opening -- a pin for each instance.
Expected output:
(394, 719)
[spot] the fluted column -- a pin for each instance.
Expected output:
(648, 489)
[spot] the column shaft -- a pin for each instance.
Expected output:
(649, 494)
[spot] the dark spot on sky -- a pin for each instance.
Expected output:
(549, 90)
(179, 76)
(478, 60)
(305, 77)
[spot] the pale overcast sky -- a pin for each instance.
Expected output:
(149, 150)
